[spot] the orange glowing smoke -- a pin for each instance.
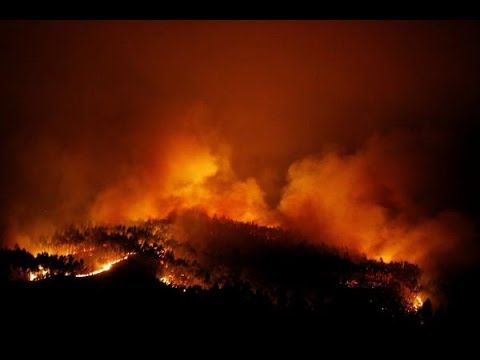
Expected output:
(112, 122)
(191, 177)
(134, 120)
(365, 201)
(361, 201)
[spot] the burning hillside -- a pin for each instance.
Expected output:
(221, 253)
(321, 166)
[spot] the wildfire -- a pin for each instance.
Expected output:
(38, 275)
(417, 303)
(43, 273)
(181, 281)
(105, 267)
(167, 280)
(95, 250)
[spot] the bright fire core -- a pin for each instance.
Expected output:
(105, 267)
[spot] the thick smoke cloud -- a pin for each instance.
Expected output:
(360, 134)
(383, 200)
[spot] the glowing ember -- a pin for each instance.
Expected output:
(104, 267)
(166, 280)
(173, 282)
(417, 303)
(38, 275)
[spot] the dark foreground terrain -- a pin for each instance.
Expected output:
(127, 310)
(129, 302)
(256, 288)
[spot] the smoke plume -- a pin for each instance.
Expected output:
(354, 134)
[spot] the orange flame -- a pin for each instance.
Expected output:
(105, 267)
